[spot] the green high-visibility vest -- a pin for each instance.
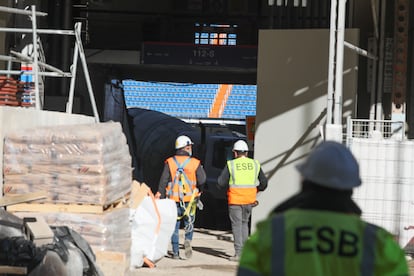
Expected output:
(310, 242)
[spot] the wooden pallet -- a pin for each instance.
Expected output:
(112, 262)
(68, 207)
(7, 200)
(14, 270)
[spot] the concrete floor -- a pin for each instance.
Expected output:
(211, 250)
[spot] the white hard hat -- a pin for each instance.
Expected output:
(182, 141)
(331, 165)
(240, 145)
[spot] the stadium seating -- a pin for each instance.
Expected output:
(189, 100)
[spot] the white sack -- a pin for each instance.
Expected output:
(146, 239)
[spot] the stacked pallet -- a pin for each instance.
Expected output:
(108, 234)
(86, 173)
(106, 231)
(10, 91)
(87, 163)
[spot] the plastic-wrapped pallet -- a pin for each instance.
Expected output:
(86, 163)
(109, 231)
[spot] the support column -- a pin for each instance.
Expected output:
(401, 16)
(400, 57)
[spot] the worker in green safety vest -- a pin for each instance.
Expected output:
(319, 230)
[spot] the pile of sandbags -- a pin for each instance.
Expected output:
(86, 163)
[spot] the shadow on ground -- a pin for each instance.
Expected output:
(220, 267)
(223, 236)
(211, 251)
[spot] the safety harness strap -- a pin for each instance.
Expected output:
(191, 207)
(177, 178)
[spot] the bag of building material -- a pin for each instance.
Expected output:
(152, 224)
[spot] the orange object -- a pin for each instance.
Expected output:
(220, 101)
(250, 127)
(148, 263)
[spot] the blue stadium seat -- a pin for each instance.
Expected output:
(188, 100)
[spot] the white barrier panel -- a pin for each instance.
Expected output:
(386, 195)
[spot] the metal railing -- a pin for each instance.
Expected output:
(375, 129)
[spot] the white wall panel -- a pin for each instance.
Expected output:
(292, 75)
(387, 193)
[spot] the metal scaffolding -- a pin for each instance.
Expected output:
(52, 71)
(335, 69)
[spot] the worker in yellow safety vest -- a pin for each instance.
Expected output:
(319, 230)
(182, 180)
(243, 178)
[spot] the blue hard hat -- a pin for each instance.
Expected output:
(332, 165)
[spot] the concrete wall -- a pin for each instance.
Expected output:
(292, 94)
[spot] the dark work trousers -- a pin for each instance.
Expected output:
(239, 218)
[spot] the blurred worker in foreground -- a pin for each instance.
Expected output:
(182, 180)
(319, 230)
(240, 177)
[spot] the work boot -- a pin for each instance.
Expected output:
(234, 258)
(176, 256)
(187, 249)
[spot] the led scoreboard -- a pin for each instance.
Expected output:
(214, 45)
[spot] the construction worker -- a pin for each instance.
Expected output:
(182, 180)
(319, 230)
(240, 177)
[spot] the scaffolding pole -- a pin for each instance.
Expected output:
(35, 68)
(331, 61)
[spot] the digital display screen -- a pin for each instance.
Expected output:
(215, 34)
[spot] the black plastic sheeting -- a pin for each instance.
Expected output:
(150, 134)
(155, 135)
